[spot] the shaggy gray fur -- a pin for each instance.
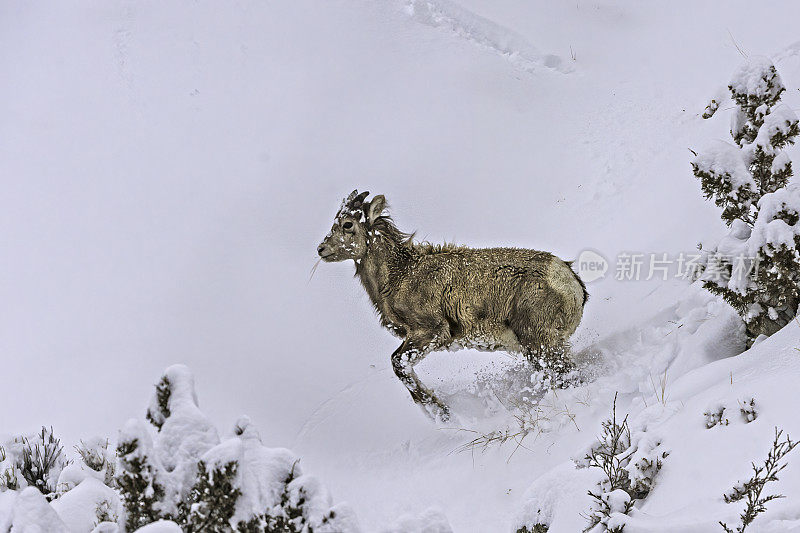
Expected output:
(439, 297)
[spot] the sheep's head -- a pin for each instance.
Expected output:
(348, 237)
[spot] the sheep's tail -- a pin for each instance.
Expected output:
(580, 281)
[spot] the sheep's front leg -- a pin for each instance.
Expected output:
(404, 358)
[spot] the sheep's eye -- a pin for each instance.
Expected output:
(347, 225)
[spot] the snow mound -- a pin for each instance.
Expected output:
(185, 432)
(751, 78)
(777, 123)
(771, 229)
(162, 526)
(431, 520)
(30, 513)
(723, 158)
(79, 507)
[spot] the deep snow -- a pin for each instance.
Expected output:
(168, 171)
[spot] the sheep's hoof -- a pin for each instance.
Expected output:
(436, 411)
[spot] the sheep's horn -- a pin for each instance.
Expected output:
(359, 200)
(351, 197)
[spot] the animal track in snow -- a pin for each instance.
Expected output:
(484, 33)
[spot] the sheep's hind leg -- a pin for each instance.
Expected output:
(549, 352)
(403, 360)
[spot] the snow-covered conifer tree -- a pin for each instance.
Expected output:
(178, 470)
(753, 267)
(173, 475)
(210, 504)
(139, 477)
(775, 243)
(184, 433)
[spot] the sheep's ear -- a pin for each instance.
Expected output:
(375, 207)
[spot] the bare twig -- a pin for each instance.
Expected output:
(744, 54)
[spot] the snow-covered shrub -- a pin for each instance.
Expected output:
(629, 464)
(711, 108)
(716, 417)
(608, 454)
(96, 456)
(42, 461)
(9, 479)
(104, 513)
(718, 413)
(747, 406)
(756, 268)
(95, 461)
(93, 455)
(535, 528)
(33, 461)
(752, 489)
(644, 463)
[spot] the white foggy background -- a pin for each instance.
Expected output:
(168, 170)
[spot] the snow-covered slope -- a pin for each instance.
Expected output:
(703, 462)
(169, 169)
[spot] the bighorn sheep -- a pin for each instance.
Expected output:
(444, 296)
